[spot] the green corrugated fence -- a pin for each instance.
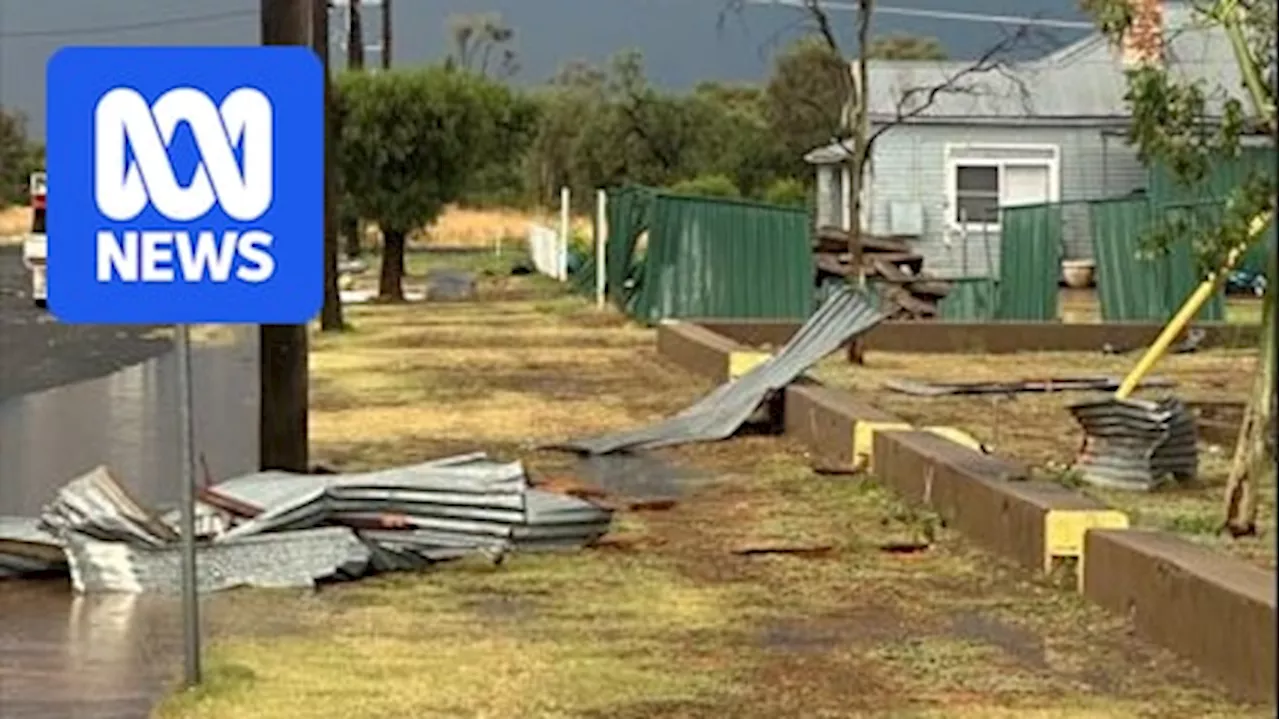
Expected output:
(704, 257)
(1165, 191)
(1132, 284)
(1030, 263)
(971, 299)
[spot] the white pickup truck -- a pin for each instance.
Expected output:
(36, 245)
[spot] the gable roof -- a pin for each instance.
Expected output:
(1082, 81)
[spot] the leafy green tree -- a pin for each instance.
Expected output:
(803, 98)
(906, 47)
(19, 157)
(1189, 127)
(408, 141)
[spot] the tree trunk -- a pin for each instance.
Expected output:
(391, 277)
(282, 402)
(1253, 464)
(351, 231)
(331, 310)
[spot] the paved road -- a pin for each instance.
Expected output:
(37, 352)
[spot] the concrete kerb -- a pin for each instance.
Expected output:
(989, 337)
(1216, 611)
(707, 353)
(1219, 613)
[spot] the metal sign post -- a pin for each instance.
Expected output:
(186, 454)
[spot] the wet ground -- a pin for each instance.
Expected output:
(73, 398)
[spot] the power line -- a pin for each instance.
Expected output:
(938, 14)
(141, 25)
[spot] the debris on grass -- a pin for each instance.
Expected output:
(1136, 444)
(922, 388)
(801, 550)
(845, 315)
(274, 529)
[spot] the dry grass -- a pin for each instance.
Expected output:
(472, 228)
(1038, 428)
(668, 622)
(14, 223)
(1082, 307)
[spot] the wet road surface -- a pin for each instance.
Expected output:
(73, 398)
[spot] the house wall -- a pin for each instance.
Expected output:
(909, 166)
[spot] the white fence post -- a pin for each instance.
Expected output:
(602, 232)
(562, 257)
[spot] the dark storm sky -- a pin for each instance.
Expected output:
(683, 41)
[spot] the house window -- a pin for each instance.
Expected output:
(982, 179)
(977, 194)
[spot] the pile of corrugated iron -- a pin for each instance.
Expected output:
(274, 529)
(896, 272)
(1136, 444)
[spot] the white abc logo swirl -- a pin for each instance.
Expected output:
(122, 189)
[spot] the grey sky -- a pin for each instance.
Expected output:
(683, 41)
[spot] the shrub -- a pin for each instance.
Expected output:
(787, 191)
(707, 186)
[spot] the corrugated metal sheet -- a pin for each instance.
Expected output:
(280, 529)
(1132, 286)
(1136, 444)
(710, 257)
(718, 415)
(285, 559)
(703, 257)
(1030, 263)
(25, 548)
(1206, 198)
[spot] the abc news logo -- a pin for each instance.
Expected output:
(123, 121)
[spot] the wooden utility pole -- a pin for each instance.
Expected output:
(331, 311)
(282, 427)
(355, 37)
(355, 61)
(386, 34)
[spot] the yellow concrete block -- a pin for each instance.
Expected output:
(956, 435)
(741, 363)
(864, 439)
(1064, 531)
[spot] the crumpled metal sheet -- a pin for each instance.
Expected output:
(845, 315)
(285, 559)
(96, 505)
(25, 548)
(1136, 444)
(273, 529)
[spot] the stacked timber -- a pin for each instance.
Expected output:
(891, 267)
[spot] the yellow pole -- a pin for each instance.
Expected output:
(1187, 311)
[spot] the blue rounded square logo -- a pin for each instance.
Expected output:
(185, 185)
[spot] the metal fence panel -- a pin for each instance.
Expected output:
(1030, 262)
(1134, 286)
(1165, 190)
(710, 257)
(971, 299)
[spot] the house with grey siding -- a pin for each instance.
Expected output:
(1045, 130)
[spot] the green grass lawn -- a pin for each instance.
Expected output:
(665, 621)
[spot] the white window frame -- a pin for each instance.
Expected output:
(952, 163)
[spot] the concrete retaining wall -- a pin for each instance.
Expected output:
(990, 337)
